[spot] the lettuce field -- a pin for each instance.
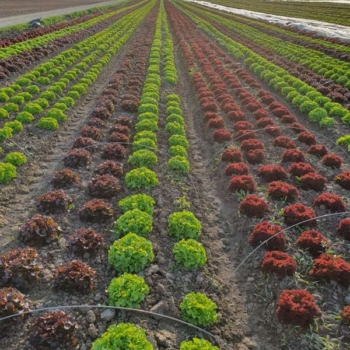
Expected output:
(173, 176)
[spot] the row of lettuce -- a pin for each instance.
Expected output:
(324, 64)
(306, 99)
(291, 305)
(131, 253)
(331, 12)
(46, 93)
(183, 226)
(291, 33)
(29, 44)
(53, 22)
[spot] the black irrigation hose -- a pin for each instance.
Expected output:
(286, 229)
(149, 313)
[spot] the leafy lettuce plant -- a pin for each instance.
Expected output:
(148, 107)
(7, 172)
(140, 201)
(178, 140)
(57, 114)
(179, 164)
(122, 336)
(174, 128)
(141, 178)
(197, 344)
(144, 143)
(177, 151)
(184, 224)
(33, 108)
(189, 253)
(11, 107)
(48, 124)
(148, 116)
(42, 102)
(149, 125)
(4, 114)
(143, 158)
(5, 133)
(135, 221)
(16, 158)
(174, 118)
(15, 125)
(127, 290)
(198, 309)
(145, 135)
(130, 253)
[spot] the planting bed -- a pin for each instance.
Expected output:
(137, 175)
(332, 12)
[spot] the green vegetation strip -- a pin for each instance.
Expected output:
(170, 71)
(318, 62)
(271, 28)
(132, 251)
(308, 100)
(17, 28)
(329, 12)
(96, 52)
(44, 39)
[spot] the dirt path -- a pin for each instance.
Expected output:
(21, 11)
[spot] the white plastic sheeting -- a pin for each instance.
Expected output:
(307, 25)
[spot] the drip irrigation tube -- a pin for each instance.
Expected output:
(149, 313)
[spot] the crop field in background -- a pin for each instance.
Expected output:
(183, 173)
(23, 7)
(332, 12)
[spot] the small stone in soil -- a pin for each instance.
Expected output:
(90, 316)
(59, 262)
(23, 190)
(93, 333)
(251, 344)
(107, 315)
(169, 276)
(172, 306)
(98, 297)
(160, 289)
(47, 275)
(165, 339)
(161, 260)
(153, 269)
(199, 279)
(222, 233)
(153, 341)
(62, 242)
(149, 281)
(160, 307)
(347, 300)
